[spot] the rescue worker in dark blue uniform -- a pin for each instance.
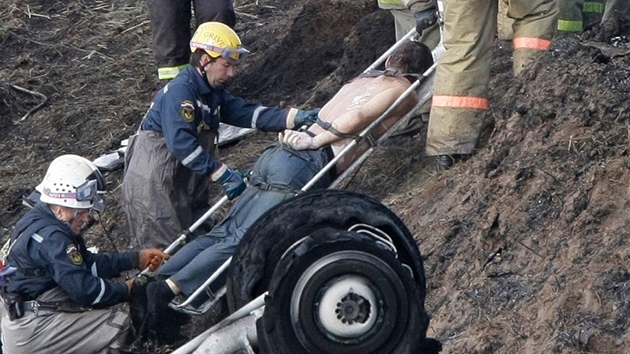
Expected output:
(59, 300)
(170, 162)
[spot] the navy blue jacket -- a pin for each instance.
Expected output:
(188, 104)
(47, 254)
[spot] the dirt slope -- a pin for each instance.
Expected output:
(525, 244)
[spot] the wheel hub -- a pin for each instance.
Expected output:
(347, 307)
(353, 308)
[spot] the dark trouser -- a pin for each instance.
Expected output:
(171, 29)
(282, 171)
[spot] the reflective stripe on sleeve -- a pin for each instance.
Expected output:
(256, 115)
(37, 238)
(531, 43)
(192, 156)
(100, 294)
(460, 102)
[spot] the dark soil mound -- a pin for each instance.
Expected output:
(524, 244)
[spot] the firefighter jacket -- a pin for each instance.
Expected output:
(47, 254)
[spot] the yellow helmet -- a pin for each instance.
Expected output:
(218, 39)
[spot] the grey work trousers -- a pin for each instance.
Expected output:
(94, 331)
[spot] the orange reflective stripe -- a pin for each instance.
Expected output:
(460, 102)
(531, 43)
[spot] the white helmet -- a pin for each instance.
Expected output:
(74, 182)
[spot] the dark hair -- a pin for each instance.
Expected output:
(195, 58)
(412, 58)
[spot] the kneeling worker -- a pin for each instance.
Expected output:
(59, 300)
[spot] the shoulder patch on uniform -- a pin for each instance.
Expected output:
(188, 110)
(74, 255)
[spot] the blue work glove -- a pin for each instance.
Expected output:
(304, 117)
(232, 181)
(425, 19)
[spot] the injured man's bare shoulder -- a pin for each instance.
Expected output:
(360, 102)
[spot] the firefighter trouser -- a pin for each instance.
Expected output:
(171, 29)
(463, 73)
(574, 15)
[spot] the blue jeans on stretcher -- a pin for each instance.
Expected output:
(279, 173)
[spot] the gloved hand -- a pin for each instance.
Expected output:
(296, 140)
(425, 19)
(232, 181)
(304, 117)
(152, 258)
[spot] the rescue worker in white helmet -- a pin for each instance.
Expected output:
(170, 162)
(60, 297)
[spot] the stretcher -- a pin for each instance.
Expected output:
(238, 330)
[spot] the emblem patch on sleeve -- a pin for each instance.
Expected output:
(74, 255)
(188, 110)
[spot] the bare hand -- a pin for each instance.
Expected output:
(296, 140)
(152, 258)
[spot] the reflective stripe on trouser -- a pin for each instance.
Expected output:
(463, 72)
(170, 26)
(169, 73)
(92, 331)
(391, 4)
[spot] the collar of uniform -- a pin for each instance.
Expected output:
(196, 79)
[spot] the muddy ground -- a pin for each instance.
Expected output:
(525, 244)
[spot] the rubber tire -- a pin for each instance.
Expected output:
(275, 231)
(291, 326)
